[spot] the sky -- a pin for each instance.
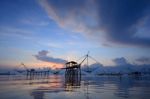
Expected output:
(48, 33)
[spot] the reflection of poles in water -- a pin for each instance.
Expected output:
(38, 95)
(87, 90)
(72, 81)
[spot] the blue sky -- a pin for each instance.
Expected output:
(68, 29)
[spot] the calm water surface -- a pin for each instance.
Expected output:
(89, 87)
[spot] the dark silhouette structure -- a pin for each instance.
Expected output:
(72, 75)
(72, 69)
(32, 73)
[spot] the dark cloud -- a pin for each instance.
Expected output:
(42, 56)
(143, 60)
(121, 18)
(120, 61)
(118, 21)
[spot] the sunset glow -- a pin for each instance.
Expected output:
(44, 33)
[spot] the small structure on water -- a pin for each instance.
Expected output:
(32, 72)
(72, 68)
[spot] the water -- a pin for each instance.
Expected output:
(89, 87)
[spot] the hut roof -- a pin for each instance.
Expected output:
(73, 62)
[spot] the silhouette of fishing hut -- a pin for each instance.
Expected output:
(72, 75)
(72, 68)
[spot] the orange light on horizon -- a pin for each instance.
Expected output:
(35, 64)
(45, 65)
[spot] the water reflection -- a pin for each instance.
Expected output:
(97, 87)
(133, 86)
(89, 87)
(72, 82)
(55, 85)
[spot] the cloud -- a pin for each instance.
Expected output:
(124, 21)
(120, 61)
(42, 56)
(110, 22)
(72, 14)
(143, 60)
(122, 66)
